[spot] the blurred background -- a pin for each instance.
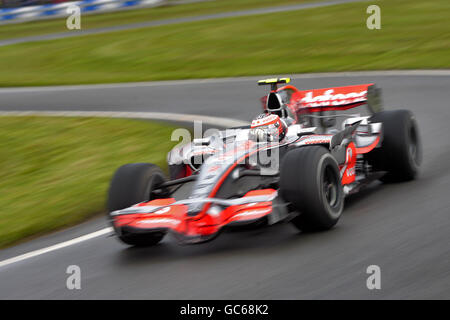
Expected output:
(23, 3)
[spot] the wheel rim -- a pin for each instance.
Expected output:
(330, 187)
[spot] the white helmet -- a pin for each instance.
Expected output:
(267, 128)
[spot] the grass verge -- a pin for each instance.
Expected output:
(414, 35)
(55, 171)
(58, 25)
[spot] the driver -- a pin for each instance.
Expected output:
(267, 128)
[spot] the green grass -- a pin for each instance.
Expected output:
(140, 15)
(414, 34)
(55, 171)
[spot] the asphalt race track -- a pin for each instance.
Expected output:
(403, 228)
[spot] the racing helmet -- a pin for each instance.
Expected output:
(267, 128)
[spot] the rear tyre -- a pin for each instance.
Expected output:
(400, 153)
(133, 183)
(310, 181)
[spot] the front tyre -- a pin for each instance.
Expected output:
(310, 181)
(133, 183)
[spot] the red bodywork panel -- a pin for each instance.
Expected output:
(348, 173)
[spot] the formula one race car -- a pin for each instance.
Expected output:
(296, 162)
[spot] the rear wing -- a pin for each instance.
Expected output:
(336, 99)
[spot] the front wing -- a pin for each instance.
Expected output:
(173, 216)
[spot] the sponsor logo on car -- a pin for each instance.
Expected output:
(330, 99)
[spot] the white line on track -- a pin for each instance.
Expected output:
(56, 247)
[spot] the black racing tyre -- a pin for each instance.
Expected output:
(310, 181)
(133, 183)
(400, 153)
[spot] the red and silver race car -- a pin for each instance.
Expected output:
(295, 163)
